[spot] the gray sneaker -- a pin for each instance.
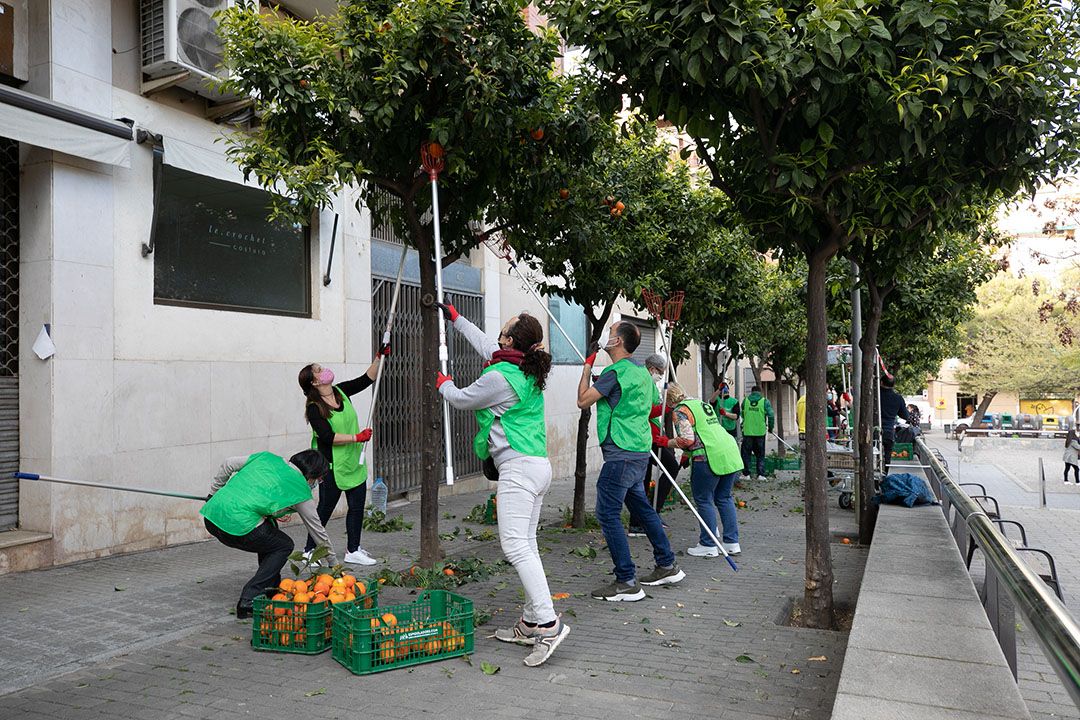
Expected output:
(547, 639)
(619, 592)
(663, 576)
(520, 634)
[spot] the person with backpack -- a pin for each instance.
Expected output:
(715, 463)
(757, 421)
(508, 399)
(1071, 455)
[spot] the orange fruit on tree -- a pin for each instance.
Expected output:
(537, 134)
(619, 206)
(436, 150)
(564, 193)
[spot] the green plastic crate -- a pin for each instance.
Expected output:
(903, 451)
(491, 511)
(436, 626)
(788, 463)
(304, 628)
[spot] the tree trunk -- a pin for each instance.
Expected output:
(868, 399)
(581, 466)
(818, 597)
(431, 434)
(976, 419)
(778, 408)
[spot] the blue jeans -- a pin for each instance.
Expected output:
(710, 489)
(620, 481)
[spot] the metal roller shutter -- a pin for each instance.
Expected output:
(648, 340)
(9, 332)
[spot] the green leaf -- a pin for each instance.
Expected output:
(313, 693)
(744, 659)
(825, 132)
(731, 623)
(488, 668)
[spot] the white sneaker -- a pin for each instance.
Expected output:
(700, 550)
(733, 548)
(359, 557)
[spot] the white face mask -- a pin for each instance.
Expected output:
(605, 338)
(657, 377)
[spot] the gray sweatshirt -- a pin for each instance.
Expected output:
(490, 391)
(307, 510)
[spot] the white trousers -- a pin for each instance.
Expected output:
(523, 482)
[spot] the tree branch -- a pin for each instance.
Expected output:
(710, 162)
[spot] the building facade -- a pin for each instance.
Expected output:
(178, 316)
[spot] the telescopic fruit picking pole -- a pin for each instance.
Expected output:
(664, 311)
(104, 486)
(385, 341)
(431, 157)
(502, 251)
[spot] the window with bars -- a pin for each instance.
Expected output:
(398, 416)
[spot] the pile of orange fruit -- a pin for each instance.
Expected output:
(289, 622)
(393, 641)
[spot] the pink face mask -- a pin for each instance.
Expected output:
(326, 377)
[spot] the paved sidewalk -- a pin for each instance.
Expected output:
(149, 635)
(1011, 478)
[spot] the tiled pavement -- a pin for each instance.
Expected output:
(1011, 477)
(148, 635)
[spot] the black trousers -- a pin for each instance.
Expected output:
(270, 544)
(329, 495)
(1075, 469)
(663, 488)
(753, 446)
(886, 451)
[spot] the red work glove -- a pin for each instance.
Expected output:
(685, 461)
(364, 435)
(440, 379)
(385, 350)
(661, 441)
(449, 312)
(590, 353)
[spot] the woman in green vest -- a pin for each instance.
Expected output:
(248, 495)
(509, 403)
(715, 462)
(336, 433)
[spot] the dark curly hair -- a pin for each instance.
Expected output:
(527, 334)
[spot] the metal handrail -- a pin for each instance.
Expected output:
(1055, 627)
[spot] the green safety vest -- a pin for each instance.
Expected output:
(729, 404)
(628, 422)
(265, 486)
(524, 424)
(348, 473)
(754, 422)
(720, 449)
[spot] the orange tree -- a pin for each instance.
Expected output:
(813, 116)
(602, 226)
(351, 98)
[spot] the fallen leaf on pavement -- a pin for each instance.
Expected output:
(659, 631)
(731, 623)
(488, 668)
(313, 693)
(818, 658)
(795, 671)
(560, 596)
(678, 604)
(744, 659)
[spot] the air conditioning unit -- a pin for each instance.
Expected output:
(180, 36)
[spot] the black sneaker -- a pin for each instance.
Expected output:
(663, 576)
(619, 592)
(635, 531)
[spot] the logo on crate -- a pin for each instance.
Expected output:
(415, 634)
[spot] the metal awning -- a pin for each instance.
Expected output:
(41, 122)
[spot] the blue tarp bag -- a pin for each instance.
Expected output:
(904, 489)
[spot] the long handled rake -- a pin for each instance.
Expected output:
(502, 251)
(105, 486)
(385, 340)
(431, 157)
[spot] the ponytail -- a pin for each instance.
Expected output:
(528, 336)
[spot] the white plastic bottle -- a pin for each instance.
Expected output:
(378, 495)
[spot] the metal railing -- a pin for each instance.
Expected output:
(1010, 584)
